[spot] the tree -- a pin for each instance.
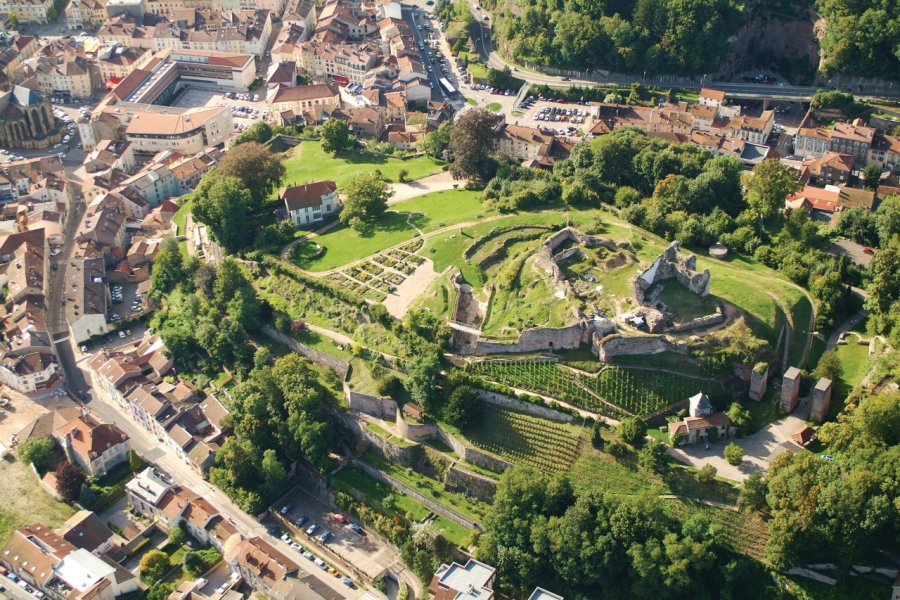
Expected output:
(859, 224)
(887, 220)
(463, 408)
(872, 176)
(178, 535)
(884, 287)
(472, 143)
(437, 142)
(256, 168)
(597, 435)
(768, 186)
(632, 430)
(706, 474)
(69, 480)
(739, 415)
(274, 475)
(222, 203)
(336, 136)
(423, 370)
(160, 591)
(167, 267)
(365, 200)
(154, 565)
(753, 492)
(829, 367)
(403, 175)
(734, 454)
(36, 451)
(260, 132)
(652, 457)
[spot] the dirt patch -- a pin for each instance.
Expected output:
(433, 183)
(398, 301)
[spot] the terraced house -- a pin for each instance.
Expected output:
(26, 11)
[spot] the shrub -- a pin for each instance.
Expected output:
(69, 480)
(616, 448)
(706, 474)
(734, 454)
(177, 535)
(632, 430)
(596, 436)
(154, 565)
(652, 457)
(36, 451)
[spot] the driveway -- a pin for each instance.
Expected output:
(758, 447)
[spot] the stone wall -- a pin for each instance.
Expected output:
(320, 358)
(408, 456)
(700, 322)
(471, 484)
(672, 264)
(538, 410)
(417, 432)
(476, 457)
(538, 339)
(377, 406)
(759, 380)
(616, 345)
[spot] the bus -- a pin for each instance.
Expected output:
(451, 91)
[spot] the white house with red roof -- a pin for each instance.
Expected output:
(311, 202)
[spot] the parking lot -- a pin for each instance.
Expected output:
(245, 111)
(362, 551)
(18, 411)
(560, 118)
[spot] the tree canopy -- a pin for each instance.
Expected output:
(365, 200)
(336, 136)
(223, 203)
(256, 168)
(471, 144)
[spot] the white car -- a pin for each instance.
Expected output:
(121, 335)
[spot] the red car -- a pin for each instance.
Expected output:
(339, 518)
(867, 250)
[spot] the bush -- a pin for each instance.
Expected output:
(69, 480)
(36, 451)
(706, 474)
(734, 454)
(177, 535)
(632, 430)
(652, 457)
(154, 565)
(596, 436)
(616, 448)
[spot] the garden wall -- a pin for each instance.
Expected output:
(615, 345)
(377, 406)
(526, 407)
(471, 484)
(476, 457)
(537, 339)
(320, 358)
(408, 456)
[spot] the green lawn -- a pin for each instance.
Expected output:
(378, 494)
(494, 106)
(181, 214)
(308, 162)
(24, 502)
(801, 313)
(429, 212)
(684, 304)
(855, 363)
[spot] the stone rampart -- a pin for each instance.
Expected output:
(700, 322)
(408, 456)
(476, 457)
(616, 345)
(320, 358)
(377, 406)
(417, 432)
(537, 410)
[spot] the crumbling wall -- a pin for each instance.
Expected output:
(538, 339)
(615, 345)
(471, 484)
(672, 264)
(417, 432)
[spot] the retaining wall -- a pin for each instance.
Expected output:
(377, 406)
(414, 494)
(408, 456)
(476, 457)
(700, 322)
(537, 339)
(615, 345)
(522, 406)
(472, 484)
(322, 359)
(418, 432)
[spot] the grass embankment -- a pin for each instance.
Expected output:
(308, 162)
(385, 499)
(24, 502)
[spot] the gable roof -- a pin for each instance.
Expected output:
(307, 195)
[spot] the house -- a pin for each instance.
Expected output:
(523, 143)
(885, 152)
(473, 580)
(86, 530)
(304, 98)
(824, 204)
(853, 138)
(701, 424)
(367, 122)
(832, 168)
(94, 446)
(311, 202)
(804, 435)
(260, 564)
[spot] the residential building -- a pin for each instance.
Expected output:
(853, 138)
(88, 531)
(26, 11)
(824, 204)
(304, 98)
(116, 62)
(885, 152)
(187, 133)
(341, 63)
(86, 14)
(367, 122)
(523, 143)
(701, 424)
(473, 580)
(94, 446)
(70, 78)
(260, 564)
(310, 203)
(832, 168)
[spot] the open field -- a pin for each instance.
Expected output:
(23, 501)
(684, 304)
(523, 439)
(308, 162)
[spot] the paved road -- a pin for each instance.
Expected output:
(13, 591)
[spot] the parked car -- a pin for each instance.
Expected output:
(300, 521)
(285, 509)
(308, 555)
(323, 537)
(321, 563)
(357, 529)
(348, 582)
(312, 529)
